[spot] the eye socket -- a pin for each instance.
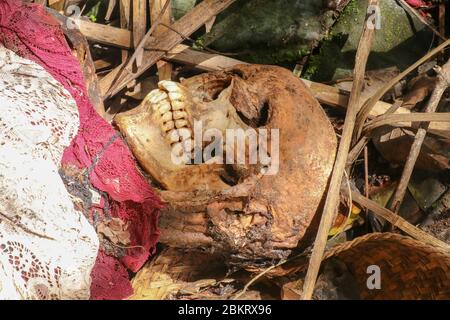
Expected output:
(263, 114)
(260, 120)
(212, 89)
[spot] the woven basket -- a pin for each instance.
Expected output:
(409, 268)
(175, 270)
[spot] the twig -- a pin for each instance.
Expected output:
(139, 22)
(332, 199)
(405, 119)
(441, 26)
(442, 10)
(124, 8)
(370, 103)
(411, 10)
(259, 275)
(366, 172)
(109, 11)
(188, 24)
(397, 221)
(155, 23)
(139, 51)
(442, 83)
(156, 7)
(349, 203)
(354, 153)
(360, 145)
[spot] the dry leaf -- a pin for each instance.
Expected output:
(209, 24)
(111, 5)
(421, 87)
(115, 230)
(394, 145)
(292, 290)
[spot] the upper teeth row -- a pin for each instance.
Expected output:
(168, 102)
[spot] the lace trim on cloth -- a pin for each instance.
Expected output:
(30, 32)
(47, 248)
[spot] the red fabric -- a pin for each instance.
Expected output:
(32, 33)
(110, 279)
(417, 3)
(422, 5)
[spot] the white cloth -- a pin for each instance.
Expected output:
(47, 248)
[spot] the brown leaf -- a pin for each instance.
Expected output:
(115, 230)
(421, 87)
(394, 144)
(291, 290)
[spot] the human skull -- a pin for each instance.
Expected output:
(251, 216)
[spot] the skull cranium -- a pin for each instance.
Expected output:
(255, 216)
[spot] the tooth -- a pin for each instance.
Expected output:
(173, 136)
(166, 116)
(181, 123)
(184, 133)
(168, 126)
(178, 149)
(169, 85)
(176, 95)
(174, 90)
(156, 96)
(188, 145)
(164, 107)
(177, 105)
(155, 107)
(179, 115)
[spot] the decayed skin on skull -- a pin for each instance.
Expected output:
(235, 207)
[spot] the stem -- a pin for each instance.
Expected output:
(442, 83)
(332, 200)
